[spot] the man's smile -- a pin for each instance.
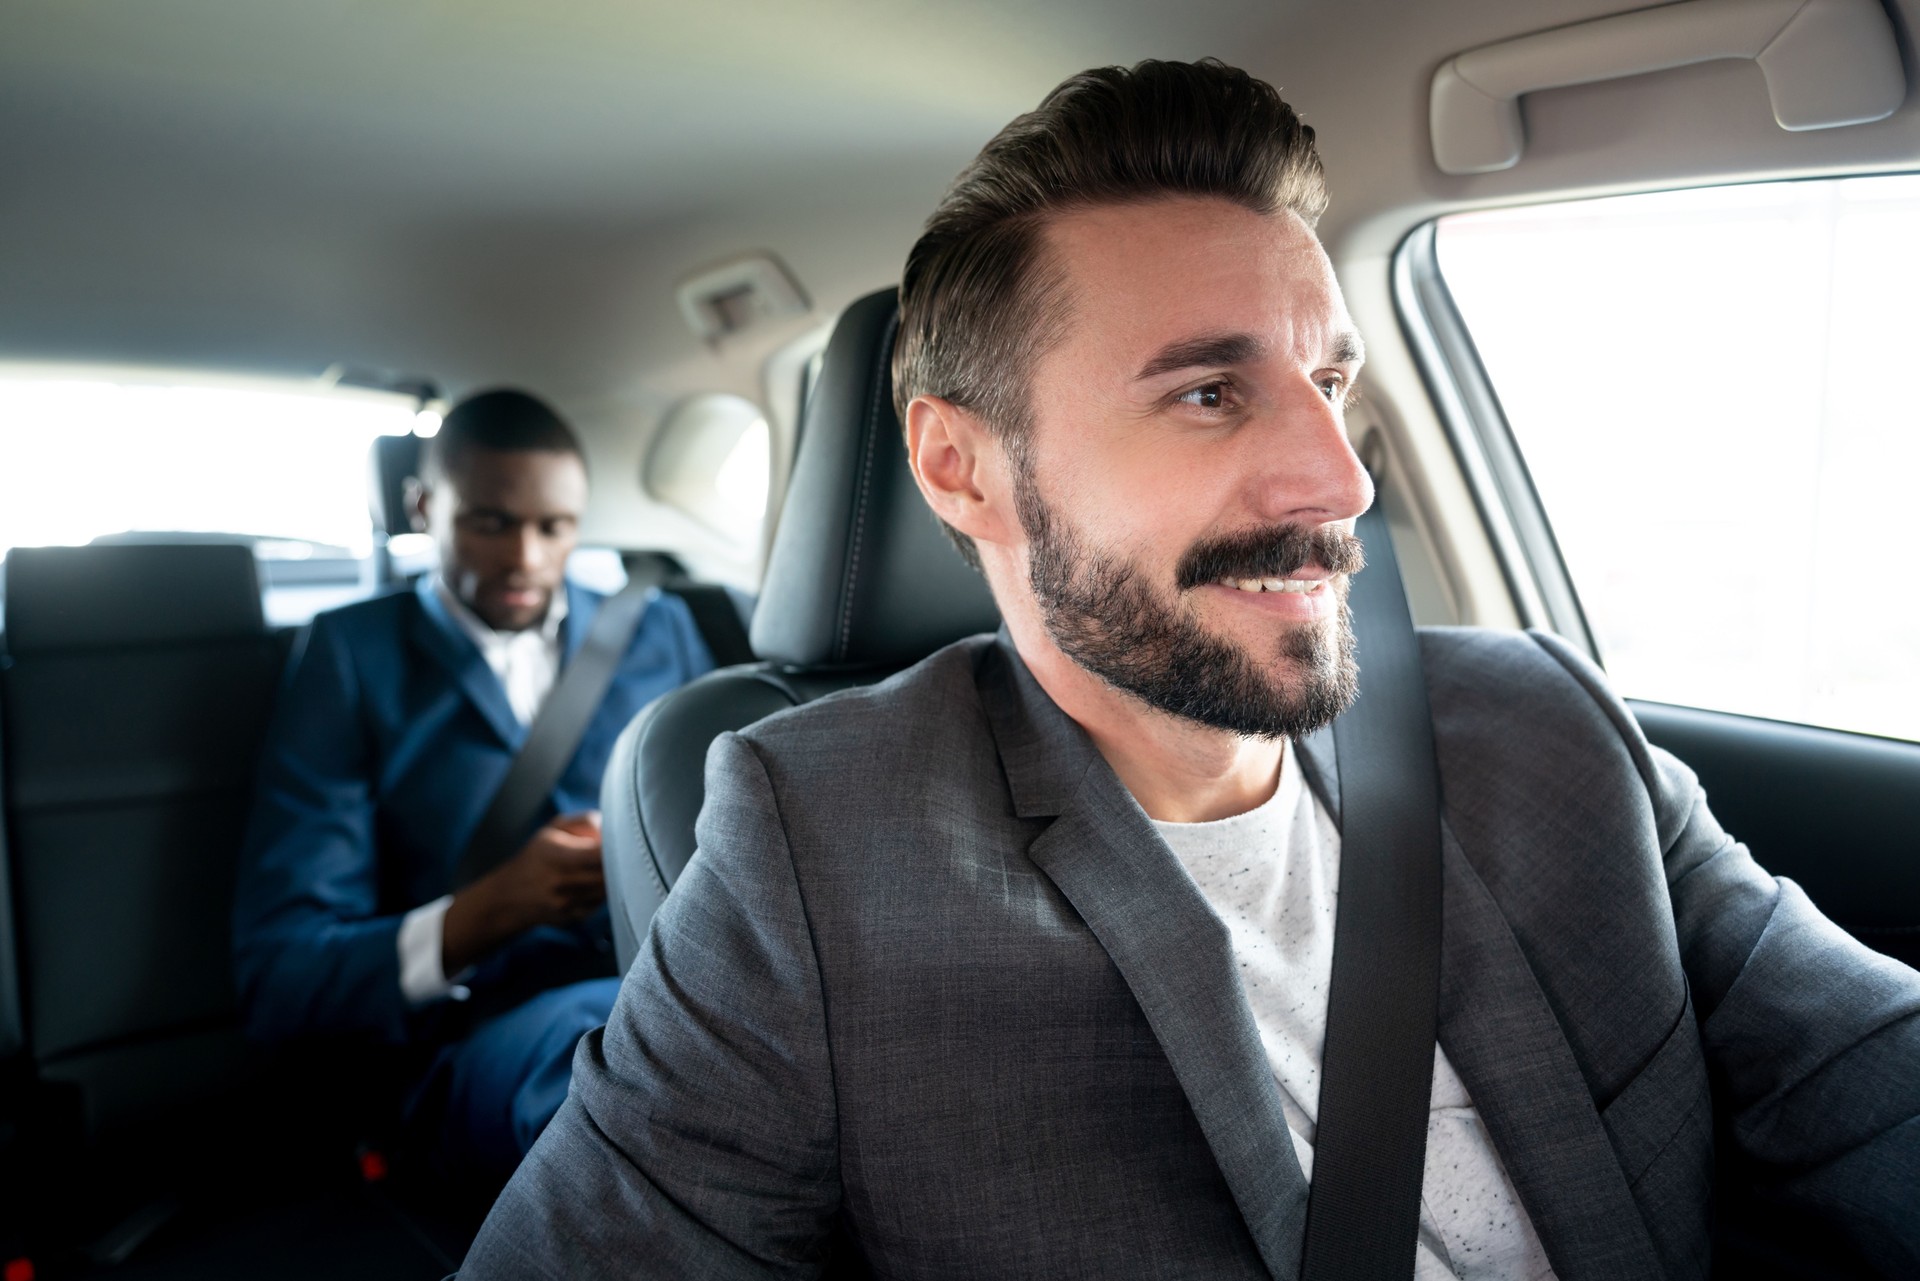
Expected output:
(1298, 585)
(1300, 598)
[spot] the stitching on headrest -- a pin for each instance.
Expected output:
(865, 489)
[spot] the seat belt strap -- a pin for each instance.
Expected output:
(1376, 1076)
(556, 731)
(717, 621)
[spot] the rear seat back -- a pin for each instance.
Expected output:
(13, 1036)
(138, 683)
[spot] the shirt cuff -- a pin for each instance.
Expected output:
(423, 977)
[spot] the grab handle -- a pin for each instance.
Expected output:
(1827, 63)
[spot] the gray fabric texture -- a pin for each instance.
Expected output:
(934, 1000)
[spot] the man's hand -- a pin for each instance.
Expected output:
(555, 879)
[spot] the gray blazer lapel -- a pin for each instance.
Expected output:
(1502, 1038)
(1174, 954)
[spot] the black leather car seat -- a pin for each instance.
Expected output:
(861, 583)
(136, 687)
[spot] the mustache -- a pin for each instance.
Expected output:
(1277, 552)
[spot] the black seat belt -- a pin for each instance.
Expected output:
(717, 620)
(556, 731)
(1376, 1076)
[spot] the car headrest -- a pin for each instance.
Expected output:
(861, 572)
(391, 462)
(109, 596)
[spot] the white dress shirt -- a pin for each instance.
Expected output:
(1272, 875)
(527, 663)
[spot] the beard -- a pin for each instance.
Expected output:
(1105, 616)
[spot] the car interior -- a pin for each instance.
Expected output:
(1635, 285)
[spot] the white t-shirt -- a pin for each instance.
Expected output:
(1272, 875)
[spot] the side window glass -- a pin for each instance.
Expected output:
(1714, 393)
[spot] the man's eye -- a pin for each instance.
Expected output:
(1334, 389)
(1211, 396)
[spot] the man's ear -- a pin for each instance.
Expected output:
(960, 468)
(415, 502)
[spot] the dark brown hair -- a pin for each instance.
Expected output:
(978, 301)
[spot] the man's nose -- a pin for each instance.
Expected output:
(530, 549)
(1309, 472)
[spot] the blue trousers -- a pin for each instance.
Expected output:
(506, 1078)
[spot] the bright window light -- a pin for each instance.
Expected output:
(87, 453)
(1714, 392)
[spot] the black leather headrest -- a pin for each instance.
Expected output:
(861, 572)
(109, 596)
(392, 460)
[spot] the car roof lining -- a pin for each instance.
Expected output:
(512, 195)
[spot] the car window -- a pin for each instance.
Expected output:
(105, 455)
(101, 454)
(1712, 391)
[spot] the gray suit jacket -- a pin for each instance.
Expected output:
(934, 997)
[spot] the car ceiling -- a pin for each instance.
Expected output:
(483, 191)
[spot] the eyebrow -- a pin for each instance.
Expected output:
(1208, 349)
(511, 518)
(1235, 349)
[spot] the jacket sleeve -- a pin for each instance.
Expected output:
(1812, 1039)
(700, 1135)
(311, 955)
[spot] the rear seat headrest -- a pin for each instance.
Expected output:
(66, 598)
(391, 462)
(861, 572)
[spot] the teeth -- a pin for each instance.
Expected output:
(1298, 586)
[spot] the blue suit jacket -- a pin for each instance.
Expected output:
(390, 737)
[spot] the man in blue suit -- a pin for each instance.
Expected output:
(398, 721)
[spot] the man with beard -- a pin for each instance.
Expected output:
(1018, 964)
